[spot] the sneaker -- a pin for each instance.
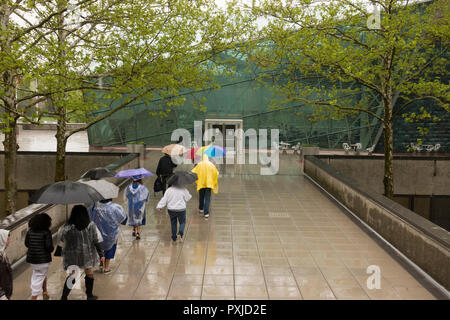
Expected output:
(107, 271)
(180, 238)
(200, 211)
(206, 216)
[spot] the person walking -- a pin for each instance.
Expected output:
(207, 180)
(6, 279)
(175, 199)
(165, 169)
(107, 216)
(137, 195)
(81, 246)
(39, 255)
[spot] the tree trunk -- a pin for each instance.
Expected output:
(10, 122)
(11, 147)
(59, 101)
(61, 141)
(388, 180)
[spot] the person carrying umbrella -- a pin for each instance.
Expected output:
(207, 180)
(137, 195)
(165, 169)
(81, 246)
(175, 199)
(108, 215)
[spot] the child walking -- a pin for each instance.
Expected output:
(40, 247)
(175, 199)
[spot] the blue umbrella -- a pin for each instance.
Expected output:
(215, 151)
(135, 174)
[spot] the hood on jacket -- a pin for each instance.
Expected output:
(3, 238)
(207, 174)
(205, 158)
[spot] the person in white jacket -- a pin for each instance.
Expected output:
(175, 199)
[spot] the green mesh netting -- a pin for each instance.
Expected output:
(239, 97)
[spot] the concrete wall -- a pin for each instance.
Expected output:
(18, 222)
(424, 243)
(36, 169)
(412, 175)
(289, 164)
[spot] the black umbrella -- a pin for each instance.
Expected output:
(98, 173)
(66, 192)
(182, 178)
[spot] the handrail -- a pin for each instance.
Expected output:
(9, 223)
(419, 223)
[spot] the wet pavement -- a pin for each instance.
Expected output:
(267, 237)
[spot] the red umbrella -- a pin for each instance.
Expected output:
(191, 154)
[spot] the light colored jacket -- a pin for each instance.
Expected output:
(175, 199)
(6, 279)
(108, 216)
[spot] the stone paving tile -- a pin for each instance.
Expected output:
(267, 238)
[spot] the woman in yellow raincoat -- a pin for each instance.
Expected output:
(207, 180)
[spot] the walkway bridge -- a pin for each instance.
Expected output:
(267, 237)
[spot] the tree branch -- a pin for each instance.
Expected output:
(337, 106)
(400, 109)
(109, 113)
(426, 65)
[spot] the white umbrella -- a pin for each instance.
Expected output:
(107, 189)
(174, 149)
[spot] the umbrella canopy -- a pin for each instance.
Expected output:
(107, 189)
(191, 154)
(66, 192)
(174, 149)
(211, 151)
(98, 173)
(135, 174)
(182, 178)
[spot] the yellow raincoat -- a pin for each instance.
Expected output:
(207, 175)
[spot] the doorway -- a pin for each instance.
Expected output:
(227, 133)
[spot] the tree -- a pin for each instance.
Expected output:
(20, 36)
(110, 55)
(402, 58)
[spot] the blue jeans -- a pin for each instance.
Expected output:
(204, 199)
(181, 217)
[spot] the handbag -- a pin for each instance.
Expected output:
(58, 251)
(158, 185)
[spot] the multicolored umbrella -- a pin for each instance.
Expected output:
(211, 151)
(135, 174)
(191, 154)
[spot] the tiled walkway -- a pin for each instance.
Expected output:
(268, 237)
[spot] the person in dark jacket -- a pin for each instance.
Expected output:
(40, 247)
(165, 169)
(6, 279)
(81, 247)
